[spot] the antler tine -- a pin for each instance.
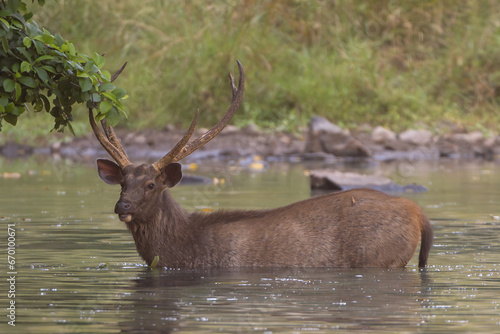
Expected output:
(213, 132)
(113, 138)
(114, 152)
(117, 73)
(170, 156)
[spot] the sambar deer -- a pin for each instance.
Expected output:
(356, 228)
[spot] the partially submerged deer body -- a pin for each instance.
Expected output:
(356, 228)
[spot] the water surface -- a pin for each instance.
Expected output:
(78, 271)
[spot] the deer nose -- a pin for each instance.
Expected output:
(122, 207)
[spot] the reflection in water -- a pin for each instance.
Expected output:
(277, 300)
(78, 270)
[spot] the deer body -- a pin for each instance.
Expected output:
(377, 230)
(356, 228)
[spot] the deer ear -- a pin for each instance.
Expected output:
(109, 172)
(171, 174)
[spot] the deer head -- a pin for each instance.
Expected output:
(142, 185)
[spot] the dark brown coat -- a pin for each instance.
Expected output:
(355, 228)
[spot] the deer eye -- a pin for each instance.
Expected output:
(151, 185)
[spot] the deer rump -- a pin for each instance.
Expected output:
(355, 228)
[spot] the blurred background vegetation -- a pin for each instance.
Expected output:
(399, 64)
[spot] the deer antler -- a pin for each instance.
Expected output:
(182, 150)
(110, 143)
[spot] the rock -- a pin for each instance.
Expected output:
(466, 145)
(328, 180)
(14, 150)
(251, 129)
(169, 128)
(189, 179)
(229, 130)
(381, 135)
(140, 140)
(416, 137)
(469, 138)
(327, 137)
(55, 147)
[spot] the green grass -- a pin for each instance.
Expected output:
(399, 64)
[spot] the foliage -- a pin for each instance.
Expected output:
(400, 64)
(48, 72)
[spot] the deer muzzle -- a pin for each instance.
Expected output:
(122, 208)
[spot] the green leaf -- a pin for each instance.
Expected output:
(89, 67)
(99, 117)
(39, 46)
(27, 42)
(121, 108)
(70, 127)
(154, 264)
(13, 5)
(10, 107)
(98, 60)
(113, 117)
(8, 85)
(50, 69)
(24, 52)
(5, 44)
(28, 16)
(96, 97)
(105, 106)
(85, 84)
(19, 90)
(44, 57)
(16, 111)
(58, 40)
(5, 23)
(42, 74)
(28, 81)
(119, 93)
(110, 96)
(46, 102)
(25, 66)
(11, 119)
(105, 75)
(106, 86)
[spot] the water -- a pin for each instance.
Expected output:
(78, 271)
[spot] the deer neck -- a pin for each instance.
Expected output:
(164, 233)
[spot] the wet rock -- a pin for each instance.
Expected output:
(189, 179)
(466, 145)
(383, 136)
(330, 181)
(169, 128)
(230, 129)
(55, 147)
(471, 138)
(139, 140)
(251, 129)
(416, 137)
(327, 137)
(14, 150)
(318, 156)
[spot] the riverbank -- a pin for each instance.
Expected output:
(322, 140)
